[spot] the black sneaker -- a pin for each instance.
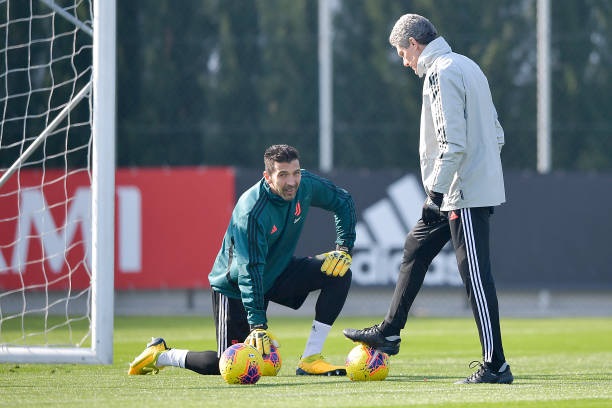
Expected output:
(487, 376)
(373, 337)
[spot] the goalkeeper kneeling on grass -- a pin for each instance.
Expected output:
(256, 265)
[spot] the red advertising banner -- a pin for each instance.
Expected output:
(169, 224)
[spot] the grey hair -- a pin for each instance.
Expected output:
(415, 26)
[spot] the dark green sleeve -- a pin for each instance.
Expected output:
(251, 250)
(330, 197)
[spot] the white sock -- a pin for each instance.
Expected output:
(318, 334)
(172, 357)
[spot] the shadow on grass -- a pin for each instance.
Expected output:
(420, 378)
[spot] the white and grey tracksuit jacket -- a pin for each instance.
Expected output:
(460, 137)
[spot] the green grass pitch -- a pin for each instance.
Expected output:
(564, 362)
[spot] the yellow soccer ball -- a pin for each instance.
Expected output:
(241, 364)
(271, 362)
(365, 363)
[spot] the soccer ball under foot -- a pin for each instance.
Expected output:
(365, 363)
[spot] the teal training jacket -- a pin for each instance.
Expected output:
(262, 235)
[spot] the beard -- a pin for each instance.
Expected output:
(288, 193)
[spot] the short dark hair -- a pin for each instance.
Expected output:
(280, 153)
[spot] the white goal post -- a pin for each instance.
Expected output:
(57, 194)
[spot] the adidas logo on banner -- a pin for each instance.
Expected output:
(381, 234)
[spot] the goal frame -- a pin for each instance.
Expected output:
(103, 202)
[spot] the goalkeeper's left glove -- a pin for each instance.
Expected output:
(261, 338)
(336, 263)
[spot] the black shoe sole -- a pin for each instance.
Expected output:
(390, 350)
(505, 378)
(381, 344)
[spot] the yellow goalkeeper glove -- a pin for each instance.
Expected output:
(335, 263)
(261, 338)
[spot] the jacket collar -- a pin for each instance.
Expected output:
(430, 53)
(275, 198)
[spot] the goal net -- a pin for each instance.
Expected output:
(57, 140)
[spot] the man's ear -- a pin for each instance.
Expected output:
(266, 176)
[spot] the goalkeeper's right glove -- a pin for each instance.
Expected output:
(261, 339)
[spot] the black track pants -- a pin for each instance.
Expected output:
(301, 277)
(469, 230)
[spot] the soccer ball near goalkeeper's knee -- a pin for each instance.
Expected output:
(271, 362)
(241, 364)
(365, 363)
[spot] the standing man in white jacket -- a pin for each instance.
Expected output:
(460, 145)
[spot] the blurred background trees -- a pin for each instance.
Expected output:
(211, 82)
